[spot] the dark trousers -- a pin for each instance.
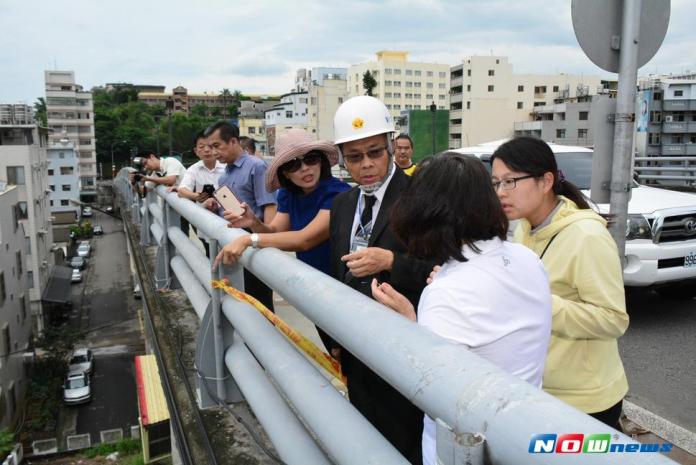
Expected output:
(399, 421)
(255, 287)
(610, 416)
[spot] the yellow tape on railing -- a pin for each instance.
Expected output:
(326, 361)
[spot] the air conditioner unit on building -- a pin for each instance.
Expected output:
(668, 119)
(28, 357)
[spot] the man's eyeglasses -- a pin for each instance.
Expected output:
(311, 159)
(372, 154)
(509, 183)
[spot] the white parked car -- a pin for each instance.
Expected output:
(76, 276)
(82, 360)
(77, 388)
(661, 229)
(87, 211)
(83, 250)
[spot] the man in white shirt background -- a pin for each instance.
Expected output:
(204, 172)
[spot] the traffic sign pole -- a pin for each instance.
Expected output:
(622, 163)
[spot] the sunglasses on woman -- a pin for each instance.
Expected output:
(310, 159)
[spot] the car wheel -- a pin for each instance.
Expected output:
(678, 291)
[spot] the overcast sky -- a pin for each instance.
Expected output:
(256, 46)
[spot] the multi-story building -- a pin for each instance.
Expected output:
(487, 98)
(16, 113)
(185, 102)
(403, 84)
(70, 114)
(666, 130)
(254, 128)
(23, 163)
(327, 90)
(290, 113)
(15, 310)
(64, 183)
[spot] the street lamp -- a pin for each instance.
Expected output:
(433, 109)
(113, 166)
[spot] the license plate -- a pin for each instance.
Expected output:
(690, 260)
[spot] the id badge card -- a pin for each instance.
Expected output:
(358, 244)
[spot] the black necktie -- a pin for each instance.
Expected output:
(366, 216)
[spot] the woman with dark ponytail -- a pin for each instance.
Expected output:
(583, 366)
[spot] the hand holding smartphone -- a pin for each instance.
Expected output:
(228, 201)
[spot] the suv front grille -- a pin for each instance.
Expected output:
(678, 228)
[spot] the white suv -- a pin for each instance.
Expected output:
(661, 229)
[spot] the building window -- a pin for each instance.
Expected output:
(417, 95)
(429, 96)
(288, 114)
(397, 107)
(657, 96)
(468, 87)
(655, 116)
(397, 83)
(387, 95)
(677, 139)
(409, 84)
(442, 74)
(654, 138)
(555, 88)
(6, 340)
(417, 73)
(66, 170)
(313, 101)
(2, 287)
(582, 116)
(397, 71)
(409, 96)
(678, 93)
(63, 203)
(386, 71)
(520, 88)
(397, 95)
(468, 105)
(418, 84)
(491, 72)
(15, 175)
(582, 133)
(50, 172)
(440, 97)
(561, 116)
(50, 203)
(560, 133)
(66, 187)
(18, 258)
(468, 72)
(409, 72)
(429, 85)
(442, 85)
(491, 88)
(520, 105)
(23, 307)
(52, 187)
(429, 74)
(389, 107)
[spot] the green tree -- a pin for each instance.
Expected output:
(200, 110)
(368, 82)
(40, 111)
(226, 97)
(7, 442)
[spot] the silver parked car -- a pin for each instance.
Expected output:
(82, 360)
(77, 388)
(76, 276)
(77, 262)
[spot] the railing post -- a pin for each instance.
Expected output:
(458, 449)
(217, 325)
(145, 221)
(164, 277)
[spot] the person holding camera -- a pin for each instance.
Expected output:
(165, 171)
(201, 179)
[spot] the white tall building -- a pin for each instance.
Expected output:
(70, 114)
(64, 177)
(403, 84)
(327, 91)
(16, 113)
(23, 163)
(15, 311)
(487, 98)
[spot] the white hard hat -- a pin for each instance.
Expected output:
(361, 117)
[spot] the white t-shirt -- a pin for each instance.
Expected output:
(497, 304)
(169, 167)
(197, 175)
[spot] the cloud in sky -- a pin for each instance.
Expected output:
(257, 46)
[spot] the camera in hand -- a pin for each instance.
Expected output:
(208, 189)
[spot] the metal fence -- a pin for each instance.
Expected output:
(669, 170)
(482, 413)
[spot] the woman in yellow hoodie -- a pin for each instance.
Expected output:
(583, 366)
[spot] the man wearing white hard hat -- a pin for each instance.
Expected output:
(364, 248)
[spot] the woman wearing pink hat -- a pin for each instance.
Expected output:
(302, 171)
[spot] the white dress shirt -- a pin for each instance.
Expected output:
(379, 194)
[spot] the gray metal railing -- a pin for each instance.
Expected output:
(684, 171)
(240, 355)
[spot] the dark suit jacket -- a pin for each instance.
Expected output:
(408, 274)
(392, 414)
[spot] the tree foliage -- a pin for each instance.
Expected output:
(40, 111)
(369, 82)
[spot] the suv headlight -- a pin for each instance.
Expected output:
(637, 227)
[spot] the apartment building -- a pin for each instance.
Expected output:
(290, 113)
(487, 98)
(326, 93)
(15, 309)
(666, 131)
(254, 128)
(23, 163)
(70, 113)
(16, 113)
(64, 184)
(403, 84)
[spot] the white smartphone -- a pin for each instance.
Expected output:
(227, 200)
